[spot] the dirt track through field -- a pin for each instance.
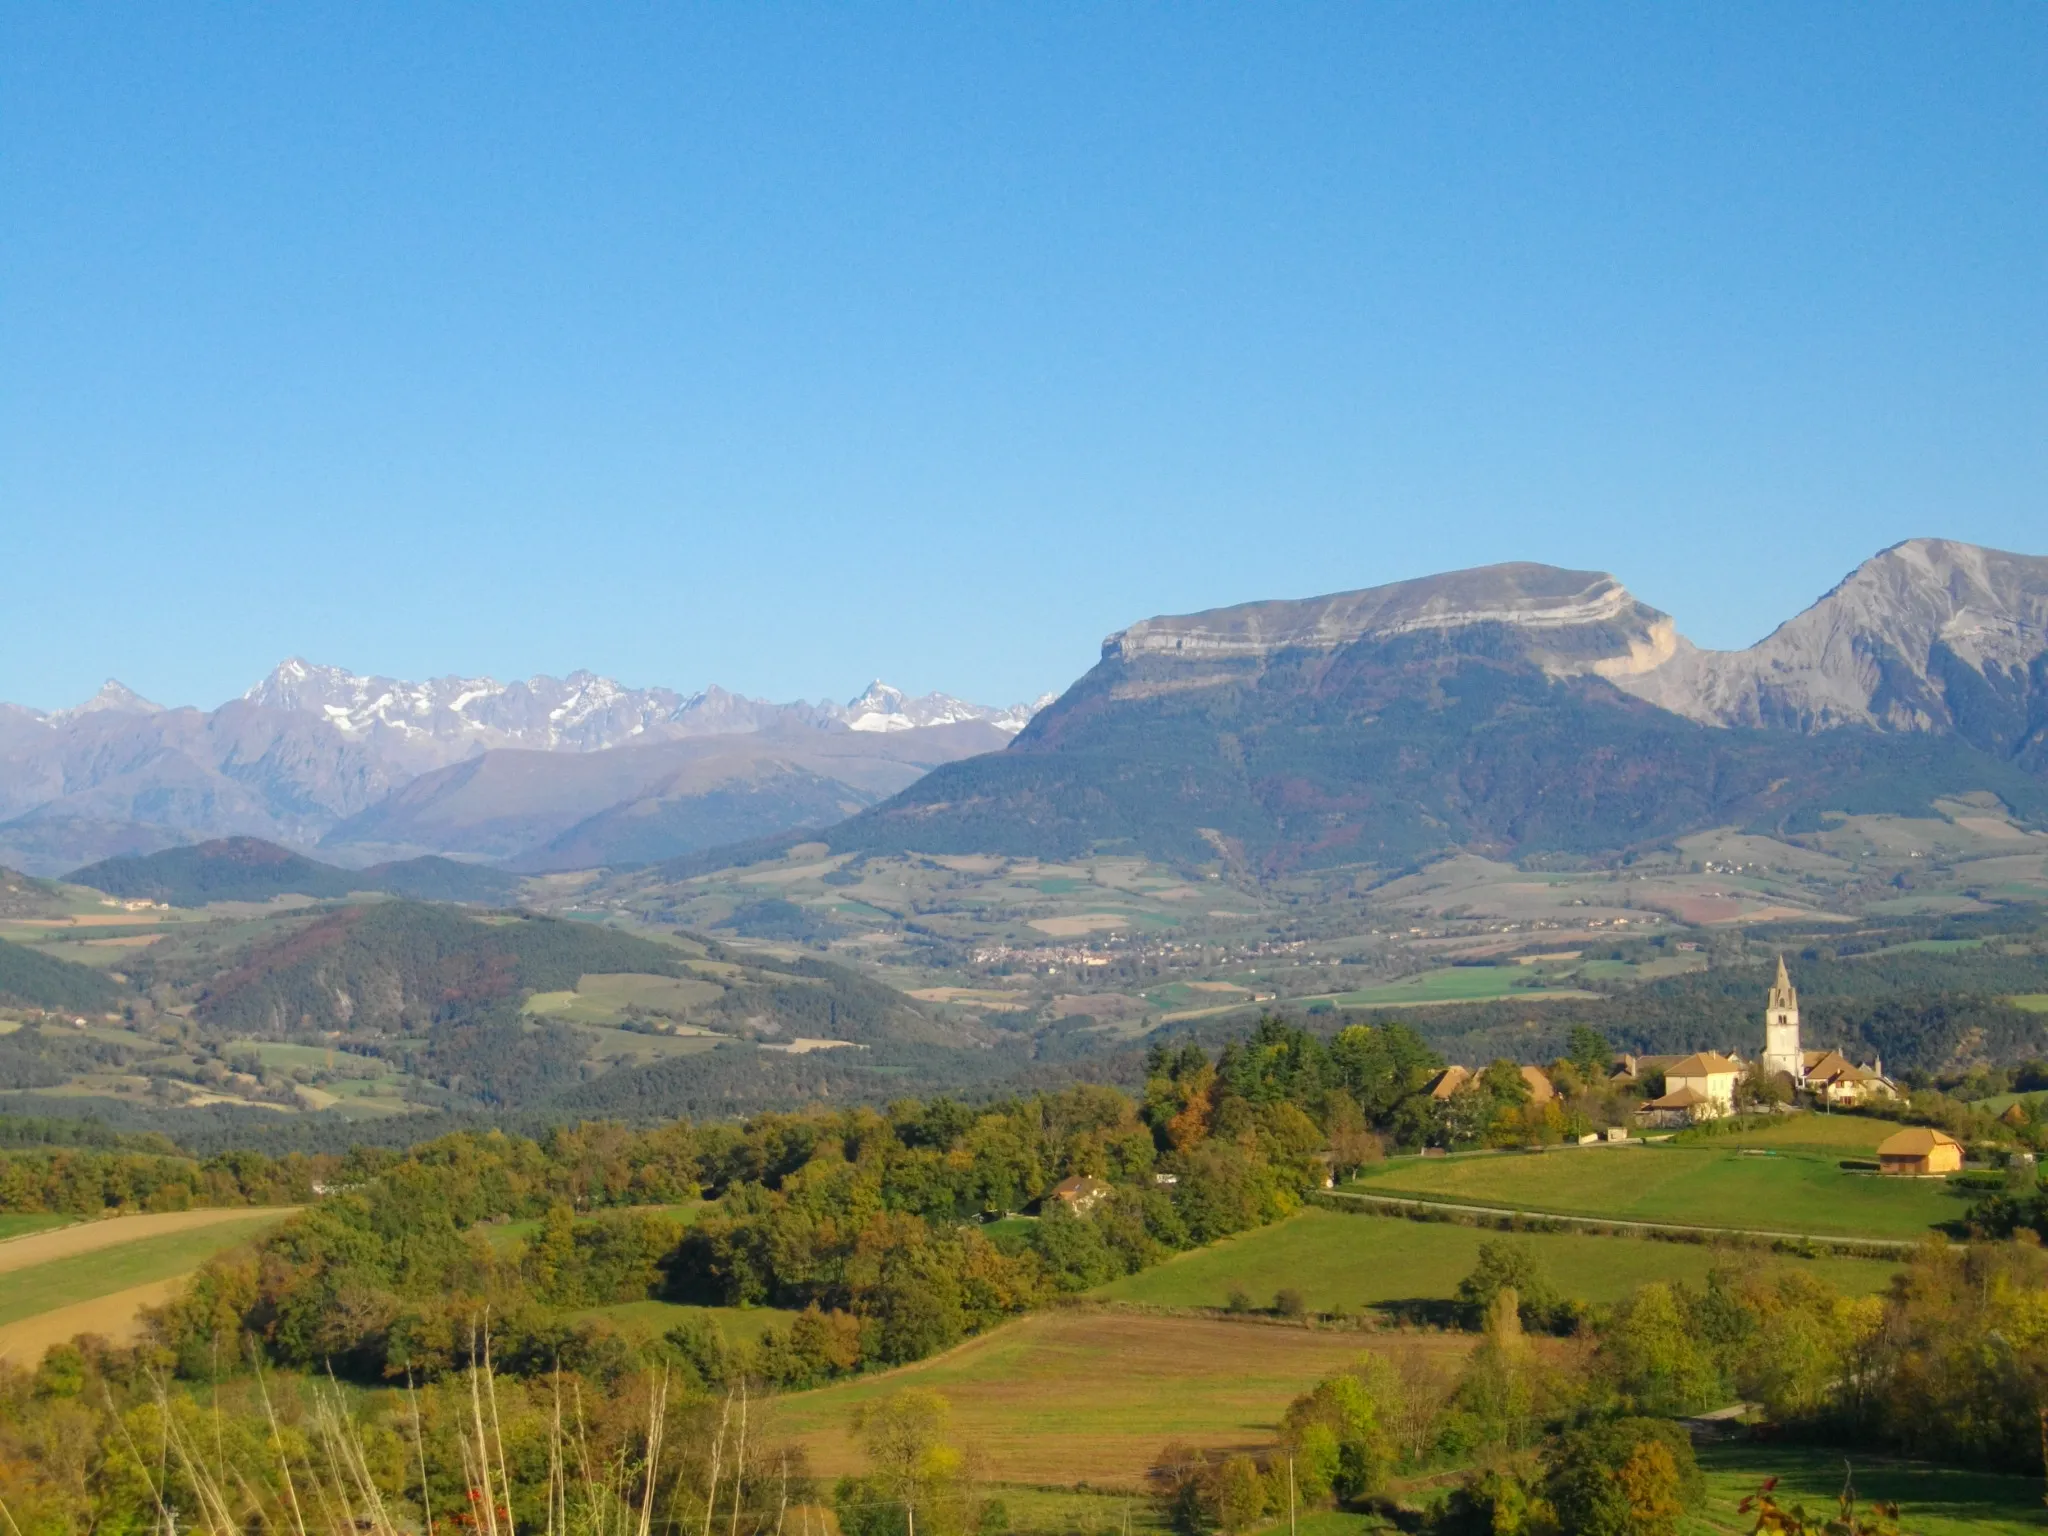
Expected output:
(117, 1317)
(88, 1236)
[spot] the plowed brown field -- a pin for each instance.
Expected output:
(117, 1317)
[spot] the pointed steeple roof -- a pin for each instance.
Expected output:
(1782, 994)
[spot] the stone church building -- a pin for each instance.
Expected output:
(1703, 1086)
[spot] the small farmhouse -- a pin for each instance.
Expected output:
(1448, 1082)
(1919, 1149)
(1834, 1079)
(1081, 1193)
(1451, 1079)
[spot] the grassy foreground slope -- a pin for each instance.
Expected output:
(1340, 1261)
(1696, 1185)
(1935, 1501)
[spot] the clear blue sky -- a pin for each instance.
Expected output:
(785, 346)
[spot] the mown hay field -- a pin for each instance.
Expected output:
(81, 1276)
(1697, 1185)
(64, 1237)
(1344, 1262)
(1071, 1396)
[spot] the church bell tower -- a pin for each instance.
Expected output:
(1781, 1029)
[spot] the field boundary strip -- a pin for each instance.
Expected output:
(19, 1237)
(1400, 1202)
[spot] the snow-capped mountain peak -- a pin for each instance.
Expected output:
(584, 712)
(883, 708)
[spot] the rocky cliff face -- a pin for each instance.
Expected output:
(1508, 709)
(1928, 636)
(1570, 622)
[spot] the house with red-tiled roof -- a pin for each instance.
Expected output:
(1834, 1079)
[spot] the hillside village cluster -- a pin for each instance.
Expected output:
(1705, 1086)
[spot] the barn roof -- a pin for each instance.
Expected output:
(1915, 1141)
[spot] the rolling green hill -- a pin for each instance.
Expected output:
(35, 980)
(398, 966)
(249, 869)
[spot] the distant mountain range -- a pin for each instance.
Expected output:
(310, 756)
(1512, 709)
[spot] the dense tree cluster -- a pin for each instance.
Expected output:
(83, 1181)
(882, 1232)
(1579, 1435)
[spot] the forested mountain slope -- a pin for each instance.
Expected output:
(391, 967)
(32, 980)
(250, 869)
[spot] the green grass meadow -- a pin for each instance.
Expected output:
(1459, 984)
(1837, 1136)
(1342, 1262)
(1933, 1501)
(603, 999)
(278, 1053)
(81, 1277)
(22, 1225)
(1693, 1184)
